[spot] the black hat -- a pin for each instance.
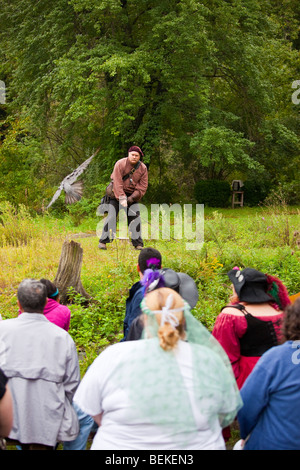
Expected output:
(250, 285)
(183, 284)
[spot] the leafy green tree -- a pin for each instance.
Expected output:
(203, 87)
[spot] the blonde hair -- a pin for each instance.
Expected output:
(168, 334)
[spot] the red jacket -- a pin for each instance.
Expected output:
(135, 186)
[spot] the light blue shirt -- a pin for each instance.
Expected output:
(271, 395)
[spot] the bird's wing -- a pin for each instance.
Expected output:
(56, 196)
(73, 192)
(71, 178)
(74, 175)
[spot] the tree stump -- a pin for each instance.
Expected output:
(69, 270)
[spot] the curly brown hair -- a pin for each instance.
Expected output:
(291, 322)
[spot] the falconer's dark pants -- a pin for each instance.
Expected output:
(133, 222)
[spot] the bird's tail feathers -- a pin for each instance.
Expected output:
(74, 192)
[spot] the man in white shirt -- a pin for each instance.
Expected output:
(41, 362)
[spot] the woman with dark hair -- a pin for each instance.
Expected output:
(54, 311)
(251, 323)
(148, 257)
(153, 278)
(269, 419)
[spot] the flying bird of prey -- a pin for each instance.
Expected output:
(72, 188)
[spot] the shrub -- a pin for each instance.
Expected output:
(255, 192)
(285, 193)
(213, 193)
(162, 193)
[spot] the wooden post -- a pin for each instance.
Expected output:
(69, 270)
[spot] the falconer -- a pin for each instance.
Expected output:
(129, 182)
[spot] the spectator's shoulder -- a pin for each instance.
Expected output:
(64, 309)
(230, 310)
(121, 162)
(7, 323)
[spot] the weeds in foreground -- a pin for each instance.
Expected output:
(16, 227)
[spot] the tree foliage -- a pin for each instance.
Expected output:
(203, 87)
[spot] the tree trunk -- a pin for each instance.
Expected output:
(69, 270)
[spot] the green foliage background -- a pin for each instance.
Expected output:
(203, 87)
(213, 193)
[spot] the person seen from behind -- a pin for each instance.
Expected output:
(148, 258)
(172, 389)
(251, 323)
(153, 278)
(41, 363)
(54, 311)
(269, 419)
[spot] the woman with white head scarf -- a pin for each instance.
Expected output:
(173, 389)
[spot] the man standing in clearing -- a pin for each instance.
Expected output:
(130, 182)
(41, 363)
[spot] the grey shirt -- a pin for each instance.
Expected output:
(41, 362)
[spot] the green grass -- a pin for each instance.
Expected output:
(263, 238)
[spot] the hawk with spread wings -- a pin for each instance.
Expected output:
(72, 188)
